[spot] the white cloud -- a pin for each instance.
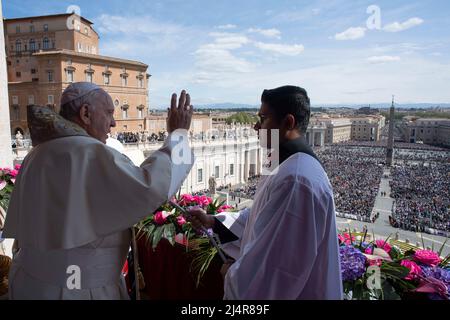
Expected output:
(227, 41)
(284, 49)
(132, 39)
(226, 26)
(383, 59)
(270, 33)
(397, 27)
(351, 34)
(215, 61)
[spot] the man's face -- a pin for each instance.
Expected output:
(268, 122)
(102, 117)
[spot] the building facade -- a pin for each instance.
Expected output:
(429, 131)
(6, 158)
(47, 53)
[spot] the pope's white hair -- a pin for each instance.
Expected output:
(75, 96)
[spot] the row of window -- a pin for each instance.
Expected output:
(139, 110)
(216, 173)
(34, 45)
(15, 99)
(32, 28)
(106, 78)
(45, 28)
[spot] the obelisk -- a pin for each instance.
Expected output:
(390, 142)
(6, 158)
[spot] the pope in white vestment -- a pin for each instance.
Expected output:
(74, 202)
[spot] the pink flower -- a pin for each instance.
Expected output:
(186, 199)
(375, 262)
(432, 285)
(223, 208)
(427, 257)
(341, 238)
(160, 217)
(181, 239)
(13, 173)
(383, 245)
(369, 250)
(17, 167)
(414, 269)
(181, 220)
(203, 200)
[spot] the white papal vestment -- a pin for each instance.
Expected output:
(73, 204)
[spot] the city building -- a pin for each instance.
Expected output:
(428, 131)
(367, 128)
(47, 53)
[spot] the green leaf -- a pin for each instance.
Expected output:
(157, 235)
(169, 233)
(442, 247)
(395, 270)
(388, 291)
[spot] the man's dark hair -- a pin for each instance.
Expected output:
(289, 100)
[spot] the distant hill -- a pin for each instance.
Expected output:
(241, 106)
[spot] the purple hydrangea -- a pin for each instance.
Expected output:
(353, 263)
(437, 273)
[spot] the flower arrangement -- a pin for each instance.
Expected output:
(170, 223)
(401, 275)
(7, 180)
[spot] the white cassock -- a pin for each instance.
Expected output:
(288, 246)
(71, 211)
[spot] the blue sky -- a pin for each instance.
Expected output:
(229, 51)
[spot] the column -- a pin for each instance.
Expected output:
(6, 158)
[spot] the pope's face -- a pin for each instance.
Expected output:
(102, 117)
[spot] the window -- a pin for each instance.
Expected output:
(69, 75)
(140, 113)
(18, 74)
(124, 81)
(31, 28)
(80, 47)
(30, 99)
(107, 78)
(50, 99)
(125, 127)
(18, 46)
(88, 76)
(17, 29)
(216, 171)
(45, 27)
(32, 45)
(15, 99)
(50, 76)
(140, 83)
(231, 169)
(45, 43)
(86, 30)
(16, 110)
(124, 113)
(33, 71)
(200, 175)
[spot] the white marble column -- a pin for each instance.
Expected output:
(6, 158)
